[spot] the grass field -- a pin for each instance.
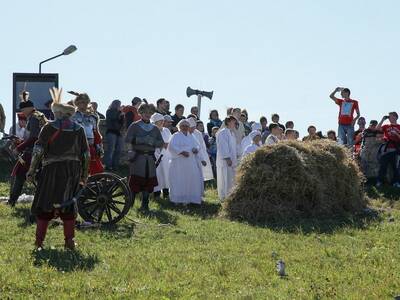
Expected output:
(193, 253)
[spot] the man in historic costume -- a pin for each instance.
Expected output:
(162, 155)
(143, 138)
(62, 151)
(35, 121)
(85, 117)
(227, 158)
(185, 174)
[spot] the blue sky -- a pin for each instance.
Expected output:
(266, 56)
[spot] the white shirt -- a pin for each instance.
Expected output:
(271, 140)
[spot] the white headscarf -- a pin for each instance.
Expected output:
(184, 122)
(256, 126)
(254, 133)
(156, 117)
(192, 122)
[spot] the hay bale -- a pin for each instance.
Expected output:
(294, 179)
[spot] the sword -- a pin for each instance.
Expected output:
(73, 200)
(159, 160)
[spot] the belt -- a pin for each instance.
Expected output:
(144, 152)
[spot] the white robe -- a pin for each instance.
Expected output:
(163, 167)
(247, 141)
(226, 148)
(185, 175)
(250, 149)
(203, 155)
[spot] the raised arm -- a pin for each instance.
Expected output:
(384, 118)
(332, 95)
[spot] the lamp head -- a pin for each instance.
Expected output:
(69, 50)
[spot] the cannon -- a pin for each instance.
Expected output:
(105, 199)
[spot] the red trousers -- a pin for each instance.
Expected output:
(95, 165)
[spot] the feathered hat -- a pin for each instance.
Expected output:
(80, 97)
(58, 107)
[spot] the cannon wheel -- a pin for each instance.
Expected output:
(105, 199)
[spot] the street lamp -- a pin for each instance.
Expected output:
(67, 51)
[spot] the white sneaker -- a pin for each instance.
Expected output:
(396, 185)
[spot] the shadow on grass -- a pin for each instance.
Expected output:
(24, 214)
(120, 231)
(205, 210)
(162, 217)
(326, 226)
(65, 261)
(385, 192)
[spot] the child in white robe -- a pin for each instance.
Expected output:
(255, 143)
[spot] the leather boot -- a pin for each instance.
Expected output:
(145, 201)
(41, 230)
(69, 234)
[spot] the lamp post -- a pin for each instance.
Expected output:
(67, 51)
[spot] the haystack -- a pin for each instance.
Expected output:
(294, 179)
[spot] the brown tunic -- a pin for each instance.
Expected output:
(62, 167)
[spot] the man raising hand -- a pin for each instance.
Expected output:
(347, 107)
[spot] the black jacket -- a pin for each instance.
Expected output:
(114, 121)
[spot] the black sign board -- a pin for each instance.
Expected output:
(38, 86)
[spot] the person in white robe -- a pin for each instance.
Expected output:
(203, 154)
(247, 140)
(162, 155)
(255, 136)
(226, 158)
(185, 175)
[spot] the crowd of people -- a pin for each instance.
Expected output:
(169, 154)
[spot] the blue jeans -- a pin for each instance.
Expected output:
(113, 151)
(346, 135)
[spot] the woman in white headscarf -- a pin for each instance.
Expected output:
(162, 156)
(184, 169)
(203, 155)
(255, 137)
(247, 140)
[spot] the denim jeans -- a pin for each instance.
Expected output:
(113, 151)
(346, 135)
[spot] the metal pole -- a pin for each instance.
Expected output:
(40, 65)
(199, 105)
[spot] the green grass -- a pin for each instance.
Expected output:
(193, 253)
